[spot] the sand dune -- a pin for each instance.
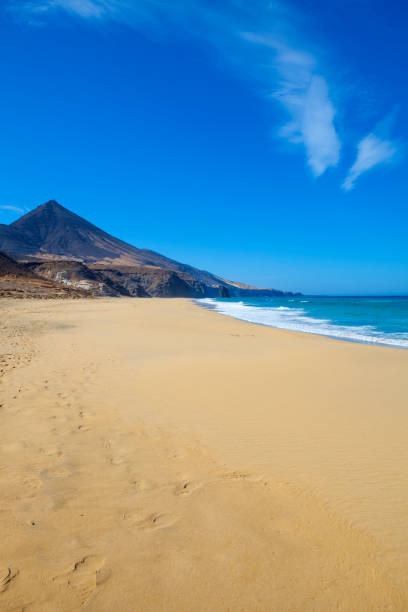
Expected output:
(155, 456)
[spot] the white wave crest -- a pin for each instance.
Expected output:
(295, 319)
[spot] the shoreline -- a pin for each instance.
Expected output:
(149, 443)
(380, 343)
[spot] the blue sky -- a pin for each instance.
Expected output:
(263, 141)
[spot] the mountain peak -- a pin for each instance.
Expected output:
(50, 214)
(51, 204)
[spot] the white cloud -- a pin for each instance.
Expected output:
(304, 94)
(371, 151)
(319, 134)
(16, 209)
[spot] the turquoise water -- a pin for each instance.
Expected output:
(374, 320)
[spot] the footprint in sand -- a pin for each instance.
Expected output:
(85, 576)
(144, 485)
(186, 487)
(7, 574)
(150, 522)
(118, 460)
(157, 521)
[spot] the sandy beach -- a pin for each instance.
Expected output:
(159, 457)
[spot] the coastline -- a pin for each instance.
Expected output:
(149, 444)
(306, 322)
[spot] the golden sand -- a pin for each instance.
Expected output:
(158, 457)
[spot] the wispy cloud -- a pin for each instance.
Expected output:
(83, 8)
(128, 11)
(373, 150)
(16, 209)
(304, 93)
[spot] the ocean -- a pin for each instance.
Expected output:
(372, 320)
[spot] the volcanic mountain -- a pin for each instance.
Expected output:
(51, 234)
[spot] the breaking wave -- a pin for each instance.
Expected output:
(297, 319)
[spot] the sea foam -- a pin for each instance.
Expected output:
(295, 318)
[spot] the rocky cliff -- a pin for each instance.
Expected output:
(18, 281)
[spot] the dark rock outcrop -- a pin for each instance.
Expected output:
(75, 274)
(18, 281)
(139, 281)
(223, 292)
